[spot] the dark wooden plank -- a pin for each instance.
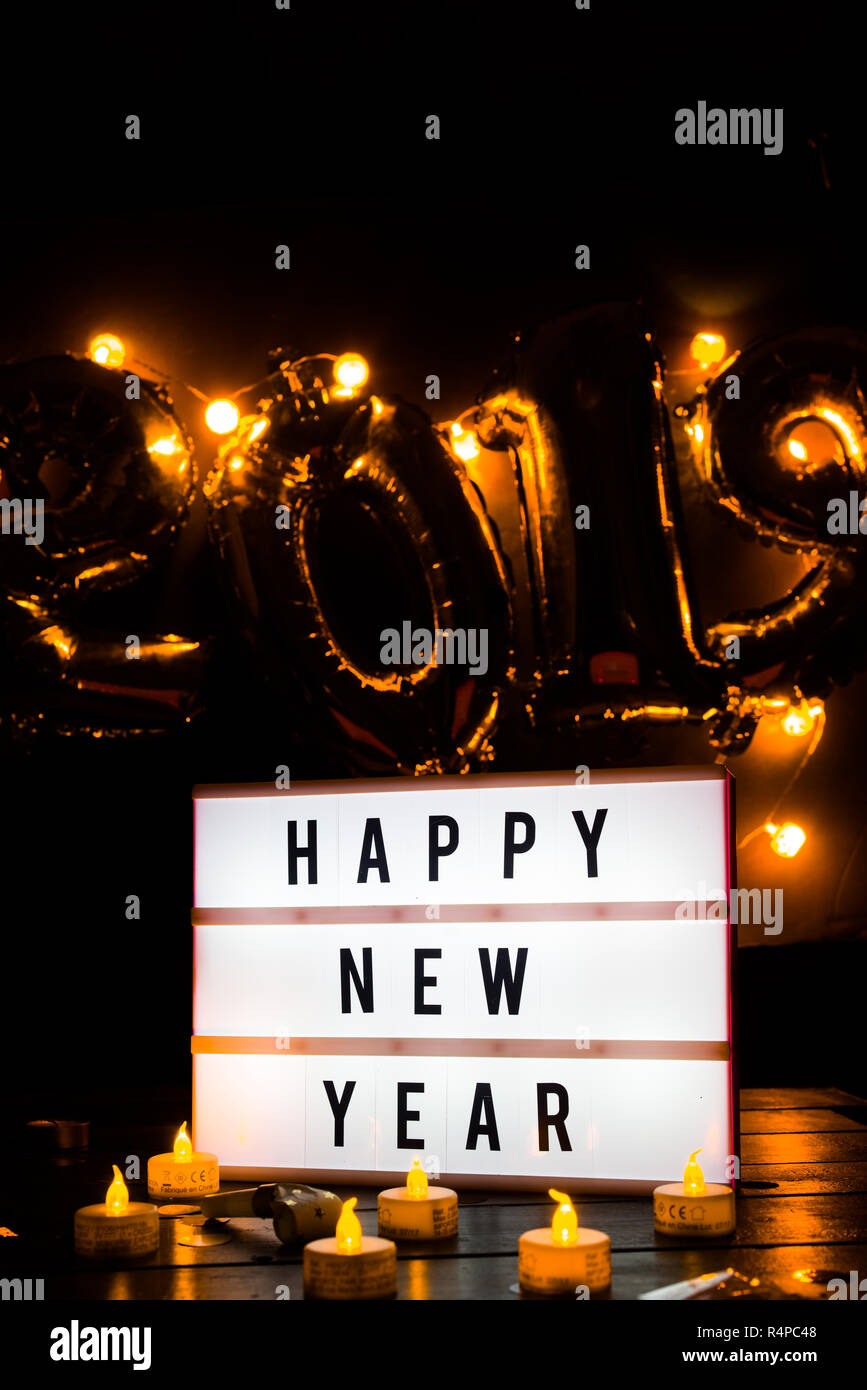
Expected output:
(797, 1098)
(762, 1221)
(800, 1121)
(848, 1147)
(802, 1178)
(485, 1278)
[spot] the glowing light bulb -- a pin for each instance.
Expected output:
(707, 349)
(564, 1227)
(800, 719)
(117, 1196)
(464, 443)
(786, 839)
(166, 447)
(258, 427)
(348, 1230)
(107, 350)
(795, 724)
(236, 462)
(416, 1180)
(183, 1148)
(796, 449)
(222, 416)
(350, 372)
(693, 1177)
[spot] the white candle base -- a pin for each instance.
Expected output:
(432, 1217)
(100, 1236)
(557, 1270)
(371, 1273)
(167, 1177)
(676, 1214)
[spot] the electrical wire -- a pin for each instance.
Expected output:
(805, 758)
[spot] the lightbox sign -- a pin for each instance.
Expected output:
(517, 978)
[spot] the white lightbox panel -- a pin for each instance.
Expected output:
(627, 1121)
(656, 838)
(647, 985)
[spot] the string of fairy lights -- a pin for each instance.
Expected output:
(795, 717)
(222, 415)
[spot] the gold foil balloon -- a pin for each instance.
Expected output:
(348, 529)
(99, 471)
(779, 438)
(369, 579)
(618, 645)
(115, 475)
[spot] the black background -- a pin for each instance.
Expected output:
(307, 127)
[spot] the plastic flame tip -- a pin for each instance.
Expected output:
(416, 1180)
(183, 1147)
(693, 1177)
(117, 1196)
(348, 1230)
(564, 1226)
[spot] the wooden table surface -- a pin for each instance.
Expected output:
(802, 1207)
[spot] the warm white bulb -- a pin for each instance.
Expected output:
(222, 416)
(786, 839)
(350, 371)
(107, 350)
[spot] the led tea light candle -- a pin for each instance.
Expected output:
(417, 1211)
(117, 1226)
(694, 1207)
(349, 1264)
(555, 1259)
(58, 1134)
(183, 1173)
